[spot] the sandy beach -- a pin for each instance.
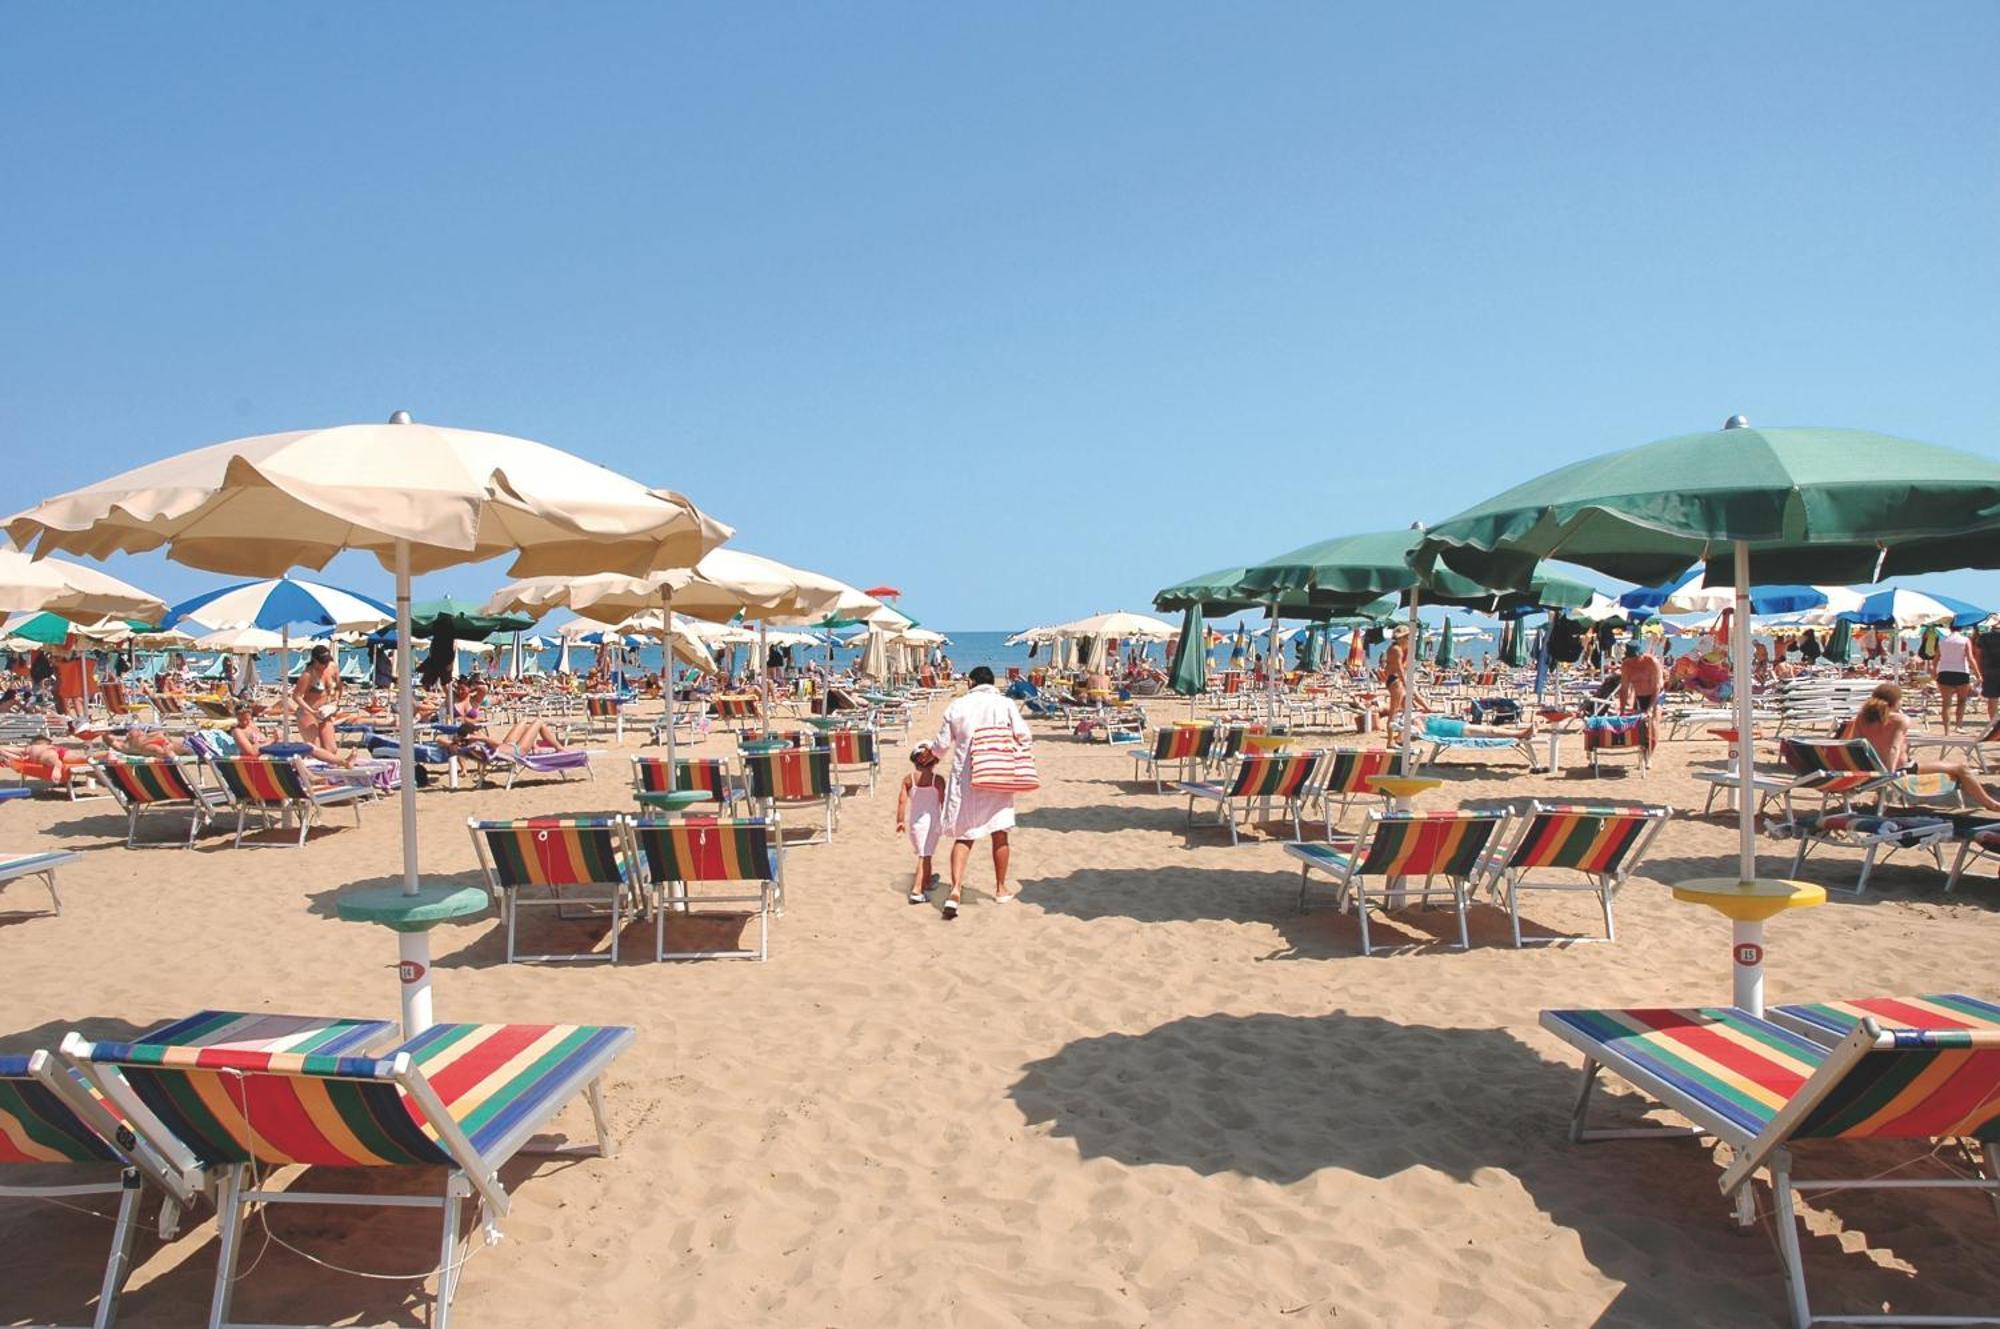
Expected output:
(1150, 1094)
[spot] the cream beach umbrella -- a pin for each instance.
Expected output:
(686, 644)
(1120, 624)
(239, 639)
(419, 497)
(78, 593)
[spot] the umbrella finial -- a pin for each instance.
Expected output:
(399, 418)
(1737, 422)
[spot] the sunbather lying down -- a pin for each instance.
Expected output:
(139, 741)
(1437, 726)
(44, 752)
(523, 738)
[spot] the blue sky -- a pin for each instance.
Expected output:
(1027, 309)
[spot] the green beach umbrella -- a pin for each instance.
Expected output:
(1189, 675)
(463, 619)
(1839, 646)
(1805, 505)
(1514, 650)
(1444, 650)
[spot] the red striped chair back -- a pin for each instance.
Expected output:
(1183, 742)
(1586, 839)
(1348, 770)
(1915, 1085)
(1617, 731)
(851, 747)
(262, 781)
(602, 708)
(1833, 765)
(552, 851)
(1273, 774)
(147, 780)
(706, 849)
(735, 708)
(790, 775)
(1425, 844)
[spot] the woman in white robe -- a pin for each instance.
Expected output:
(970, 814)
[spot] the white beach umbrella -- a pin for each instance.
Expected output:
(419, 497)
(1119, 624)
(78, 593)
(239, 639)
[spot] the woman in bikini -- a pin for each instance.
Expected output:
(1885, 726)
(316, 699)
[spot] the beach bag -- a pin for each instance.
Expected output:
(997, 760)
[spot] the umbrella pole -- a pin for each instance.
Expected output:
(1272, 665)
(764, 674)
(667, 673)
(1409, 684)
(413, 948)
(1748, 948)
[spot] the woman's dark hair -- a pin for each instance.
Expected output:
(1880, 702)
(980, 676)
(321, 654)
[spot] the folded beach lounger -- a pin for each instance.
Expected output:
(1608, 736)
(690, 721)
(794, 776)
(48, 1119)
(1594, 848)
(1187, 744)
(1346, 774)
(681, 856)
(695, 780)
(1281, 777)
(1758, 1087)
(153, 786)
(1975, 747)
(1448, 735)
(277, 789)
(1393, 848)
(43, 865)
(464, 1098)
(533, 862)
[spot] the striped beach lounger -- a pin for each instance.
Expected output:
(43, 865)
(277, 789)
(1345, 775)
(1921, 819)
(587, 857)
(49, 1118)
(606, 713)
(540, 761)
(1841, 769)
(737, 709)
(695, 780)
(1395, 846)
(1282, 777)
(680, 855)
(464, 1098)
(151, 786)
(794, 775)
(1448, 735)
(1759, 1087)
(1187, 744)
(1598, 845)
(854, 750)
(1978, 844)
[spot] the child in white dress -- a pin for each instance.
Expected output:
(920, 812)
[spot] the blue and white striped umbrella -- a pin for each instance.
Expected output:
(283, 602)
(1904, 608)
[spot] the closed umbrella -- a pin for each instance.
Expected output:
(1839, 646)
(1188, 675)
(1444, 649)
(1824, 505)
(419, 497)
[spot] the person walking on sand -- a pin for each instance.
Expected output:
(969, 813)
(919, 813)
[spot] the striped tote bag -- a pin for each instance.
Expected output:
(1000, 761)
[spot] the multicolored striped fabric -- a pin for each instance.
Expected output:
(794, 774)
(602, 708)
(38, 1127)
(1740, 1069)
(708, 775)
(706, 849)
(851, 747)
(1348, 770)
(1931, 1085)
(1273, 774)
(1833, 765)
(233, 1106)
(1586, 839)
(149, 780)
(1182, 742)
(553, 851)
(1617, 731)
(262, 781)
(1950, 1010)
(1425, 844)
(735, 708)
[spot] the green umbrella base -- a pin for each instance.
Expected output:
(676, 801)
(430, 906)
